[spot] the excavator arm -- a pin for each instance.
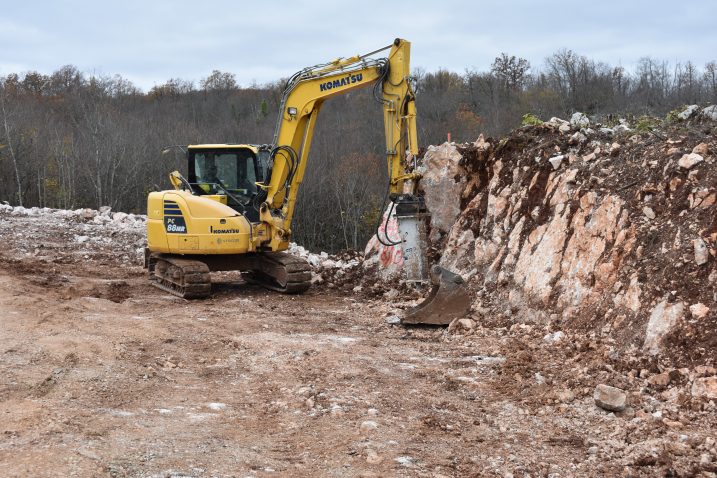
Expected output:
(300, 105)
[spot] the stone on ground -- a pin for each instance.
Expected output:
(610, 398)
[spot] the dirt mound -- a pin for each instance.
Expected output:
(605, 231)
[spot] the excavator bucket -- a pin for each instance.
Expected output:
(447, 300)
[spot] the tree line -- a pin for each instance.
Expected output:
(70, 140)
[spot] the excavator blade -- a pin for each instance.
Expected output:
(447, 300)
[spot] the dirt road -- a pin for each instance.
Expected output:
(101, 375)
(247, 382)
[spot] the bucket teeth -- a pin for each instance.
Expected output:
(448, 300)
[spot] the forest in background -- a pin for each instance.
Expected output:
(71, 140)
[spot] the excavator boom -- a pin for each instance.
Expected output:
(301, 102)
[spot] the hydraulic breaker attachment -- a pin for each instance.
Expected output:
(447, 300)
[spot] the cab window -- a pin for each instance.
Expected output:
(214, 172)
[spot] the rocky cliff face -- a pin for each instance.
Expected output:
(608, 230)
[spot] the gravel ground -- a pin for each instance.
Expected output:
(102, 375)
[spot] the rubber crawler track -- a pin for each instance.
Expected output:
(185, 278)
(190, 278)
(281, 272)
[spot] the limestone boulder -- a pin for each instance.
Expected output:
(610, 398)
(663, 318)
(442, 183)
(705, 388)
(579, 120)
(688, 112)
(710, 112)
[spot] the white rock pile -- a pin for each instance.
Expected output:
(102, 216)
(694, 111)
(322, 260)
(89, 219)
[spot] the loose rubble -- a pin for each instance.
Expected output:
(688, 161)
(120, 231)
(95, 234)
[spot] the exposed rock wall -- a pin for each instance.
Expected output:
(607, 230)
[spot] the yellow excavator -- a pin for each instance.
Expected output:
(233, 211)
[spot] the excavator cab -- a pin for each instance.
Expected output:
(228, 175)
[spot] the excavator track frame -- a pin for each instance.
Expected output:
(188, 276)
(185, 278)
(281, 272)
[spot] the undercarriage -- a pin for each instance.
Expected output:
(188, 276)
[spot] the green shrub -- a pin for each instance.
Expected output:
(645, 124)
(672, 115)
(531, 120)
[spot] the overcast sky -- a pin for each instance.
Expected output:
(149, 41)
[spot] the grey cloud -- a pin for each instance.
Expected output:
(150, 42)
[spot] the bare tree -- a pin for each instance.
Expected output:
(710, 80)
(510, 70)
(8, 138)
(219, 81)
(73, 140)
(686, 81)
